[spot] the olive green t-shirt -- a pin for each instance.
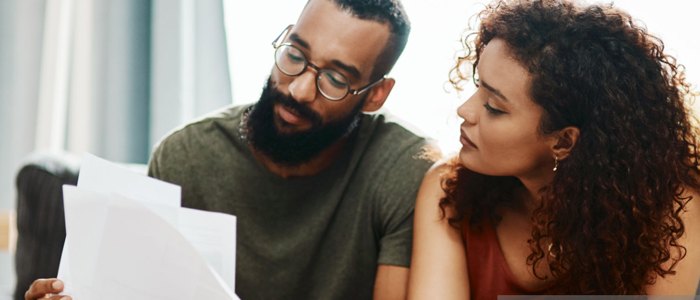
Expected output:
(315, 237)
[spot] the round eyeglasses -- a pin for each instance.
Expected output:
(333, 85)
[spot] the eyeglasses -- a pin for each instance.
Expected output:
(291, 61)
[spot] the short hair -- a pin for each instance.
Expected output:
(389, 12)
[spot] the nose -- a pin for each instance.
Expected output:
(468, 112)
(303, 87)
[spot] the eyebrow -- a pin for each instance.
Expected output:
(297, 39)
(493, 90)
(353, 71)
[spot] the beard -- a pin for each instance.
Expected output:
(293, 149)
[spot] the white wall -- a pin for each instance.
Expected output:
(422, 71)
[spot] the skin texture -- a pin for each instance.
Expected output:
(330, 38)
(593, 93)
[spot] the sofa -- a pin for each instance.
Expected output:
(41, 226)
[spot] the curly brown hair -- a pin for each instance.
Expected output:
(612, 211)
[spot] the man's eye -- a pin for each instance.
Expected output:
(335, 79)
(296, 58)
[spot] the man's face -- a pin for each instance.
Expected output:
(293, 122)
(300, 146)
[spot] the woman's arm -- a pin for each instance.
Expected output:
(685, 281)
(438, 263)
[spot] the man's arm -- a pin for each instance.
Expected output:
(390, 283)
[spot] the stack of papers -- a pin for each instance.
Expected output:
(128, 238)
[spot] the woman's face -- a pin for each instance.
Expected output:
(500, 133)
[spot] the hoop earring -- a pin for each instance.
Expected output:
(552, 253)
(556, 163)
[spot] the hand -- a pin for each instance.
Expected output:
(46, 289)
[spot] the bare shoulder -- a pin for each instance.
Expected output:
(691, 220)
(431, 192)
(687, 274)
(691, 217)
(438, 263)
(438, 170)
(693, 206)
(432, 182)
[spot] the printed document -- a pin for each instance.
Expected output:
(128, 238)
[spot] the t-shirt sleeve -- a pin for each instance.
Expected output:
(153, 163)
(398, 191)
(167, 157)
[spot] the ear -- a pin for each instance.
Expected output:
(377, 95)
(564, 141)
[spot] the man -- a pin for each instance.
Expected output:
(323, 192)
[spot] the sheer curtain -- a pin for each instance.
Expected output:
(106, 77)
(21, 27)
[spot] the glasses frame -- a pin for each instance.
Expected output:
(277, 43)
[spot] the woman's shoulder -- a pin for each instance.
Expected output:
(690, 213)
(684, 281)
(432, 188)
(441, 168)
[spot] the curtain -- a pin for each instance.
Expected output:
(19, 52)
(102, 76)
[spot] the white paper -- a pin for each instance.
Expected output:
(214, 237)
(85, 219)
(127, 238)
(98, 174)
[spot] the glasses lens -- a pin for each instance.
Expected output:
(290, 60)
(332, 84)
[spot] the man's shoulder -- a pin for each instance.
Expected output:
(196, 144)
(395, 134)
(392, 141)
(224, 120)
(387, 127)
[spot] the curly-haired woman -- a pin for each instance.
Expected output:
(578, 172)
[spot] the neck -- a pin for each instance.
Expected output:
(533, 185)
(312, 167)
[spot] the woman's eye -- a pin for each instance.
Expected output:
(493, 111)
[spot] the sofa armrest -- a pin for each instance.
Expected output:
(41, 227)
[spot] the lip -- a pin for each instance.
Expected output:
(466, 141)
(289, 116)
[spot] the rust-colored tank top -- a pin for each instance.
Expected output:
(489, 275)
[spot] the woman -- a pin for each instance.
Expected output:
(578, 172)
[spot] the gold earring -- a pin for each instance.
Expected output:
(556, 163)
(552, 253)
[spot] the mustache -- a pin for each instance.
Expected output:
(300, 109)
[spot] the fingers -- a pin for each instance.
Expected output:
(57, 297)
(44, 288)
